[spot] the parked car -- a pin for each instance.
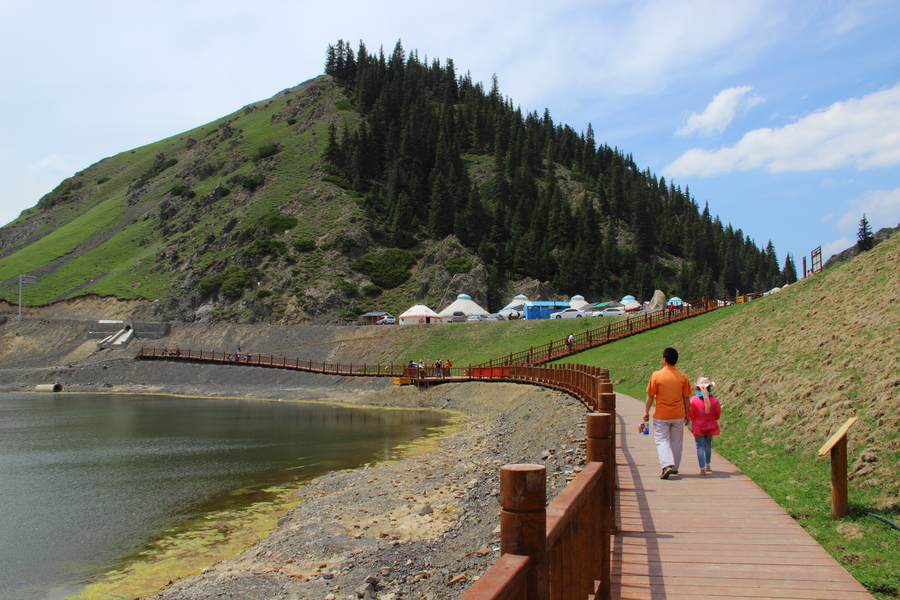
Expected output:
(569, 313)
(494, 317)
(474, 319)
(457, 317)
(386, 320)
(608, 312)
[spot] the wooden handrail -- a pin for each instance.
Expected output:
(505, 580)
(592, 338)
(562, 510)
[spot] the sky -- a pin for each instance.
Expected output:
(783, 116)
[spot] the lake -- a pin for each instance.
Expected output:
(89, 481)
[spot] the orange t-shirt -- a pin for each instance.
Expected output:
(671, 387)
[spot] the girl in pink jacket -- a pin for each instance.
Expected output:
(704, 417)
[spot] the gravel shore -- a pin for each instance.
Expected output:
(423, 527)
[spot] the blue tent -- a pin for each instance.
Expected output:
(542, 309)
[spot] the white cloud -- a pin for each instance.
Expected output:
(52, 165)
(617, 48)
(836, 247)
(881, 207)
(860, 132)
(720, 112)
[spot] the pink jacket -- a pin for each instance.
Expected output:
(702, 422)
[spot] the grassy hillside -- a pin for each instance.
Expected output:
(151, 222)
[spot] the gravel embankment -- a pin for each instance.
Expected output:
(422, 527)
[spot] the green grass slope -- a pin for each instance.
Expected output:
(151, 222)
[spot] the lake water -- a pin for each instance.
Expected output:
(87, 481)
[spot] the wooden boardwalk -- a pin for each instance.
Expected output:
(716, 536)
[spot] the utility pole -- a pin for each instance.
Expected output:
(25, 280)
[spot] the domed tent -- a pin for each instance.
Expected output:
(463, 304)
(419, 314)
(514, 309)
(579, 303)
(517, 303)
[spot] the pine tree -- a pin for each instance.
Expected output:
(789, 273)
(332, 148)
(864, 239)
(330, 60)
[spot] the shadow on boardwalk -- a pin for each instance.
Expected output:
(709, 536)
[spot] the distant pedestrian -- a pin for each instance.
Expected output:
(239, 354)
(421, 363)
(437, 368)
(447, 364)
(569, 342)
(671, 390)
(704, 414)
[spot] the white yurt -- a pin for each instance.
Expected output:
(516, 308)
(419, 315)
(465, 305)
(579, 303)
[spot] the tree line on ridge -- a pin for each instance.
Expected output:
(437, 155)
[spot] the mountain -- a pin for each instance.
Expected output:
(383, 183)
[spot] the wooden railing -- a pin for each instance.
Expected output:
(561, 551)
(279, 362)
(616, 330)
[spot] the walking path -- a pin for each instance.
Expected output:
(715, 536)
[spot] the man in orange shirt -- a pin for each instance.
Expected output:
(671, 390)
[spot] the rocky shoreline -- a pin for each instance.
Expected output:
(423, 527)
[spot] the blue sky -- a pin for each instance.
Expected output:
(783, 116)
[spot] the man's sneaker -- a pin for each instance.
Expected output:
(708, 469)
(666, 472)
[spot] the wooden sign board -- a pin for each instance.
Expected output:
(836, 437)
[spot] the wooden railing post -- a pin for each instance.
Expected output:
(601, 448)
(523, 522)
(837, 445)
(608, 405)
